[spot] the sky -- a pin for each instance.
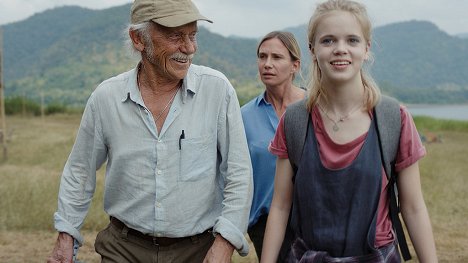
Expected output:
(255, 18)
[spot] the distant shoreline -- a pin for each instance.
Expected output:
(424, 105)
(440, 111)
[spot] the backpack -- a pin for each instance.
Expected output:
(388, 119)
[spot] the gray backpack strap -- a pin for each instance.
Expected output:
(295, 129)
(388, 118)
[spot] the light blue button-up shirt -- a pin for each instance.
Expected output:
(260, 121)
(162, 184)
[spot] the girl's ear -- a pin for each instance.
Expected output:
(312, 52)
(136, 40)
(368, 46)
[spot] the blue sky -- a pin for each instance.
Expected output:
(254, 18)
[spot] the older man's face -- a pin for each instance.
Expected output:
(171, 49)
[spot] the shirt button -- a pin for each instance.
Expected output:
(158, 204)
(159, 172)
(159, 140)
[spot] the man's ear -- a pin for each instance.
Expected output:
(136, 40)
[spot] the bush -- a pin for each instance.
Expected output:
(19, 105)
(55, 108)
(432, 124)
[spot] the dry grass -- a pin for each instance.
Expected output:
(444, 176)
(38, 150)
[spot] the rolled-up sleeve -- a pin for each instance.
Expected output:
(278, 145)
(411, 148)
(78, 180)
(236, 171)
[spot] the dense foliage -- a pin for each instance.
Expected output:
(64, 53)
(425, 123)
(22, 106)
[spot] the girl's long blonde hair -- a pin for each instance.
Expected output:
(317, 92)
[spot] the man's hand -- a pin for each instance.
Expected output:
(63, 250)
(220, 252)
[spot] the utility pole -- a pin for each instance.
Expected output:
(2, 102)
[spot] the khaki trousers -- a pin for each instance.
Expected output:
(116, 246)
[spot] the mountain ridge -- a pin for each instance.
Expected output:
(65, 52)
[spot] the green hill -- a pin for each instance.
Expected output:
(415, 61)
(65, 52)
(421, 63)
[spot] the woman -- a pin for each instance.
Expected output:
(279, 60)
(339, 192)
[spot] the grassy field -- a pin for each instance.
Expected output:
(38, 149)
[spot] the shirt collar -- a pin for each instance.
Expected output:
(189, 84)
(261, 99)
(132, 91)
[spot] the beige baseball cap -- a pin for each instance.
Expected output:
(168, 13)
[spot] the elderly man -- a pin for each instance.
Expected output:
(178, 184)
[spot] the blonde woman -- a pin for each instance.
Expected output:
(279, 61)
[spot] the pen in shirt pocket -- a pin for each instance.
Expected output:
(182, 136)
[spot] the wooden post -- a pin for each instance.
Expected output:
(42, 106)
(2, 102)
(23, 105)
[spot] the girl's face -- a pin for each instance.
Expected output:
(340, 48)
(274, 63)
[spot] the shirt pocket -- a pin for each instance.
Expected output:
(197, 158)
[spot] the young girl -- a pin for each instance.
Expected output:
(339, 192)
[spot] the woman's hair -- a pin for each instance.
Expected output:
(317, 92)
(288, 40)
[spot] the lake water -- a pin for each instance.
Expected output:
(452, 112)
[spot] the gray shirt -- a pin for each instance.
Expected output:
(165, 184)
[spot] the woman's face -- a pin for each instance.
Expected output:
(340, 48)
(274, 63)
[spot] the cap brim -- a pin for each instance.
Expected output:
(179, 20)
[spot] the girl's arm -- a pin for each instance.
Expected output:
(279, 211)
(415, 215)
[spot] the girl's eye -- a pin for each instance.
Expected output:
(327, 41)
(354, 40)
